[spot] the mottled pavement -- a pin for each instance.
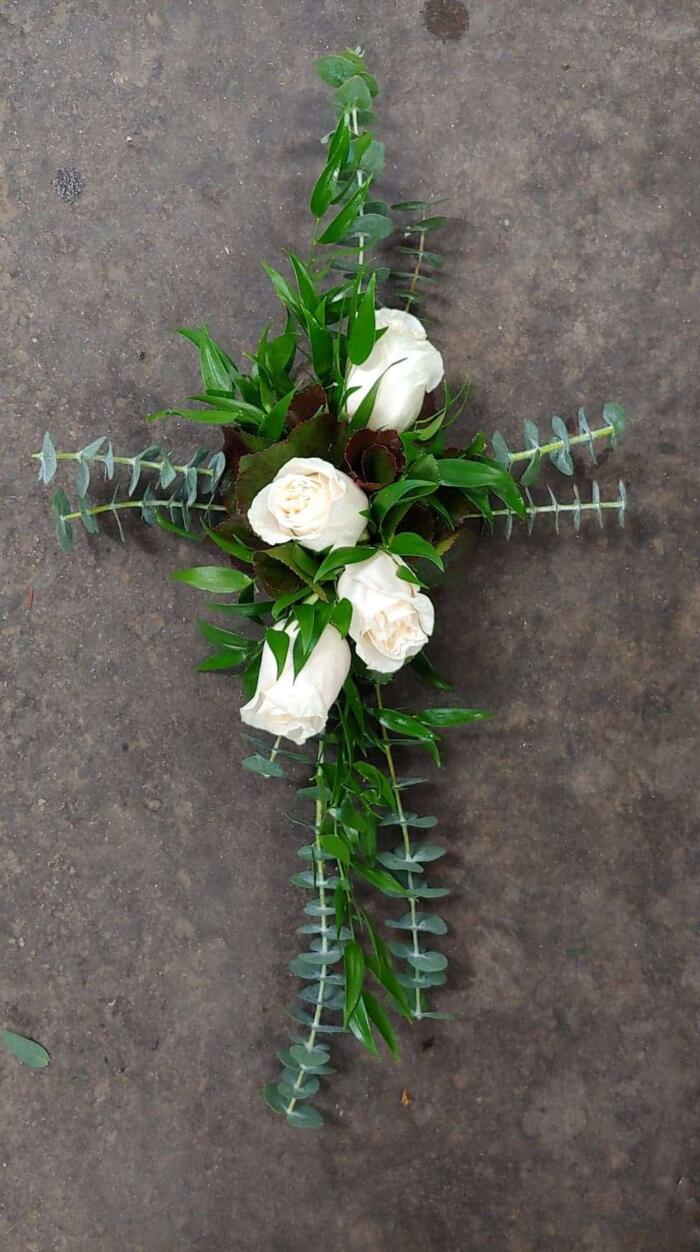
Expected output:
(146, 918)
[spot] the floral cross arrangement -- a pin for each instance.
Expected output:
(338, 500)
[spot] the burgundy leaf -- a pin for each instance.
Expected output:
(374, 458)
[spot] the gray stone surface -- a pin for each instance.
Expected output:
(146, 915)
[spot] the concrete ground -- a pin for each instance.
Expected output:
(146, 918)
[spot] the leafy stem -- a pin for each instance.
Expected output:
(396, 790)
(115, 506)
(420, 252)
(129, 461)
(557, 445)
(318, 864)
(355, 129)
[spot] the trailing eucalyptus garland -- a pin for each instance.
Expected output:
(338, 500)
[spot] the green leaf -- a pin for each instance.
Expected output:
(335, 70)
(364, 410)
(282, 288)
(453, 717)
(532, 471)
(378, 1016)
(344, 219)
(166, 524)
(309, 1058)
(361, 1026)
(323, 191)
(308, 290)
(407, 575)
(262, 765)
(213, 417)
(362, 332)
(297, 559)
(407, 490)
(278, 643)
(305, 1116)
(341, 616)
(379, 962)
(48, 462)
(427, 962)
(372, 227)
(340, 904)
(454, 472)
(372, 160)
(403, 724)
(228, 659)
(430, 923)
(382, 880)
(274, 1098)
(218, 578)
(353, 93)
(64, 534)
(408, 544)
(336, 848)
(60, 502)
(227, 638)
(281, 350)
(341, 557)
(376, 779)
(218, 371)
(232, 546)
(354, 965)
(614, 415)
(28, 1051)
(273, 422)
(427, 224)
(425, 670)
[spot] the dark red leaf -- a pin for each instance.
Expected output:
(374, 458)
(306, 404)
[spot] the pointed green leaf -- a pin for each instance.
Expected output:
(28, 1051)
(354, 964)
(378, 1016)
(362, 332)
(218, 578)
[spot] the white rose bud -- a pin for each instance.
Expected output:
(309, 500)
(391, 619)
(416, 367)
(297, 708)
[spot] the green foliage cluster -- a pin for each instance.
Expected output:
(366, 847)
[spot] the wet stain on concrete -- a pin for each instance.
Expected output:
(446, 19)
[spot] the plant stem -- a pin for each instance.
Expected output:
(360, 182)
(319, 865)
(535, 510)
(418, 1010)
(557, 444)
(136, 504)
(127, 460)
(416, 271)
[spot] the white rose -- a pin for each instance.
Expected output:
(298, 707)
(391, 619)
(416, 367)
(311, 501)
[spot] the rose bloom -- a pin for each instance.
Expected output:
(297, 708)
(309, 500)
(415, 367)
(391, 619)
